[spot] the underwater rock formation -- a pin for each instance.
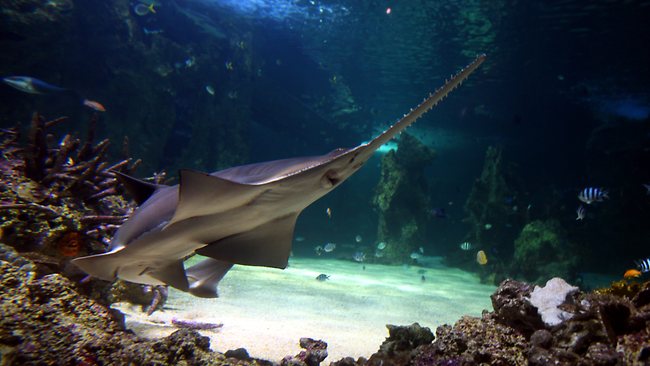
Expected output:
(401, 199)
(542, 251)
(493, 214)
(604, 330)
(46, 321)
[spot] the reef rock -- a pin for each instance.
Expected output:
(401, 198)
(46, 321)
(542, 251)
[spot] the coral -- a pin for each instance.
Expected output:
(61, 199)
(401, 199)
(549, 298)
(45, 321)
(542, 251)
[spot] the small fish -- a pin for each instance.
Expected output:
(632, 273)
(643, 265)
(581, 212)
(421, 250)
(229, 66)
(359, 256)
(318, 249)
(322, 277)
(481, 258)
(94, 105)
(465, 245)
(416, 255)
(438, 212)
(423, 279)
(381, 245)
(329, 247)
(358, 238)
(328, 211)
(209, 89)
(487, 226)
(379, 253)
(300, 239)
(591, 194)
(647, 188)
(144, 9)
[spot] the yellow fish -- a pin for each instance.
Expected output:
(329, 212)
(481, 258)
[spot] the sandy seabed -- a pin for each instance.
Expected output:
(267, 310)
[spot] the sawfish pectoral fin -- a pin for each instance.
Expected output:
(103, 266)
(204, 194)
(204, 277)
(267, 245)
(173, 275)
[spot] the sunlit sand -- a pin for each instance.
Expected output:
(267, 310)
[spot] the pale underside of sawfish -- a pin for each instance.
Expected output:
(241, 215)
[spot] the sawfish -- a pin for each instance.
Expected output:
(241, 215)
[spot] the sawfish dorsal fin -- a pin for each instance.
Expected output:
(202, 194)
(138, 189)
(267, 245)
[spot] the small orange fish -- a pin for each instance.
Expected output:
(329, 212)
(481, 258)
(632, 273)
(94, 105)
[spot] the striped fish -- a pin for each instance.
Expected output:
(591, 194)
(643, 265)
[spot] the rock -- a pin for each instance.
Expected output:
(547, 300)
(239, 353)
(512, 308)
(473, 341)
(541, 338)
(46, 321)
(315, 351)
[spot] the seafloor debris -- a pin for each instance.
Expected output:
(195, 324)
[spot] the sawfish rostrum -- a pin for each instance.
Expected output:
(241, 215)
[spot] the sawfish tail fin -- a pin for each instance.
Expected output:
(204, 277)
(427, 104)
(103, 266)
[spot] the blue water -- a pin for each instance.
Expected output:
(564, 93)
